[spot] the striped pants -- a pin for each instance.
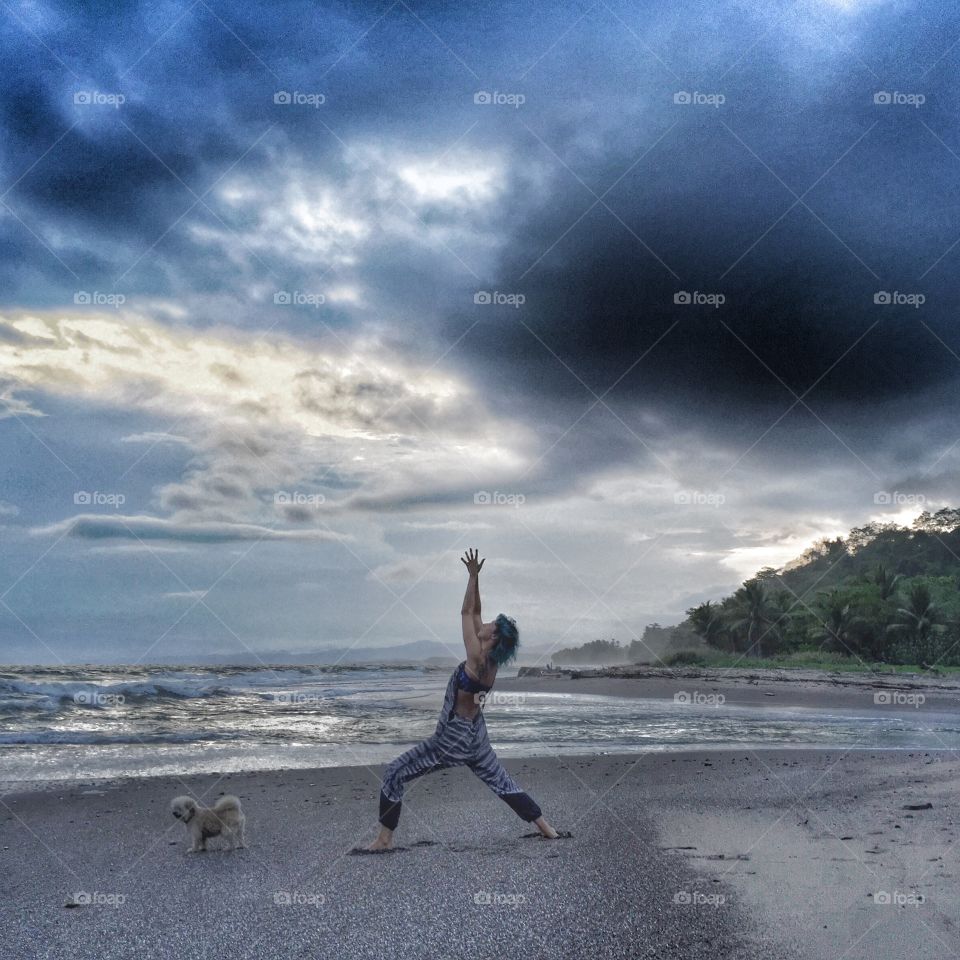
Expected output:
(456, 742)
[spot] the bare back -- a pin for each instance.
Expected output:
(468, 704)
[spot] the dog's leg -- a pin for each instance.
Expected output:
(199, 841)
(241, 842)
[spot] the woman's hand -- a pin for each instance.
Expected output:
(469, 560)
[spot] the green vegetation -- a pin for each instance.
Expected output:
(883, 595)
(799, 660)
(657, 642)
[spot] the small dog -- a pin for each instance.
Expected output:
(224, 817)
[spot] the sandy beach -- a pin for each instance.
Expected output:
(817, 689)
(689, 854)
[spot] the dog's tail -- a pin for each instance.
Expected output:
(227, 803)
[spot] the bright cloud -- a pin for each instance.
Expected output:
(270, 422)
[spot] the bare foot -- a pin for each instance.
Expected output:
(545, 828)
(383, 842)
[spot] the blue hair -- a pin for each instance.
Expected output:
(508, 640)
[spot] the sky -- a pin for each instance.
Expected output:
(298, 301)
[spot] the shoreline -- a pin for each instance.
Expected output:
(889, 693)
(805, 696)
(97, 785)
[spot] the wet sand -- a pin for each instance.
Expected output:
(816, 689)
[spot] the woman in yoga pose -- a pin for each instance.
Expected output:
(461, 734)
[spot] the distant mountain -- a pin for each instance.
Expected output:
(418, 651)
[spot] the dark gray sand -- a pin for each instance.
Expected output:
(889, 694)
(678, 855)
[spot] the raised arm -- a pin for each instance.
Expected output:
(470, 611)
(477, 620)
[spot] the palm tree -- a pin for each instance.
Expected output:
(836, 628)
(708, 624)
(885, 582)
(753, 614)
(920, 623)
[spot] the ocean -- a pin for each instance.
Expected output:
(72, 723)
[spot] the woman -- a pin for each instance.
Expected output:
(461, 734)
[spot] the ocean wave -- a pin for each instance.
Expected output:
(55, 692)
(86, 737)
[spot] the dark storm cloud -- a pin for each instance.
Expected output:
(694, 198)
(706, 211)
(105, 527)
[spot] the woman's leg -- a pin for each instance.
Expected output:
(487, 766)
(416, 762)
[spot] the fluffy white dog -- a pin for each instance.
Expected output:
(225, 818)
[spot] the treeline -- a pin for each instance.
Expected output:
(883, 594)
(656, 642)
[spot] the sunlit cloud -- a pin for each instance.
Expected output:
(269, 421)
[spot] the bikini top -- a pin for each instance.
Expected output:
(466, 682)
